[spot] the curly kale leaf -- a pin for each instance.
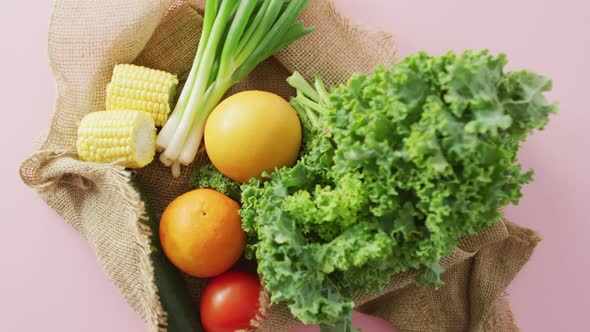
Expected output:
(207, 176)
(397, 166)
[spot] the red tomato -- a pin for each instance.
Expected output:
(231, 302)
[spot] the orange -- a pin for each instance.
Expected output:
(252, 132)
(201, 233)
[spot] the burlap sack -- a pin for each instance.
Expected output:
(87, 38)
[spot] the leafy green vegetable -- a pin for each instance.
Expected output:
(207, 176)
(237, 36)
(396, 167)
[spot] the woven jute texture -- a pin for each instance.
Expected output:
(87, 38)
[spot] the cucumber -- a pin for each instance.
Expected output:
(174, 295)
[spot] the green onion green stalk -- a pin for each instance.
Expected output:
(237, 36)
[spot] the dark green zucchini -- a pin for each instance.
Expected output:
(175, 296)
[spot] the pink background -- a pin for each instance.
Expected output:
(50, 281)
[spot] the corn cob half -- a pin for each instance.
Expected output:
(126, 138)
(139, 88)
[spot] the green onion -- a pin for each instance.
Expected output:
(237, 36)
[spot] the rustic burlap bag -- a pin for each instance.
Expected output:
(87, 38)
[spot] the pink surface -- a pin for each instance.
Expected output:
(50, 280)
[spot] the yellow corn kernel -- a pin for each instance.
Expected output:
(122, 137)
(139, 88)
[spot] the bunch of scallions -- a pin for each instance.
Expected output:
(237, 36)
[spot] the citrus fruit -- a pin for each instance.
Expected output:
(252, 132)
(201, 233)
